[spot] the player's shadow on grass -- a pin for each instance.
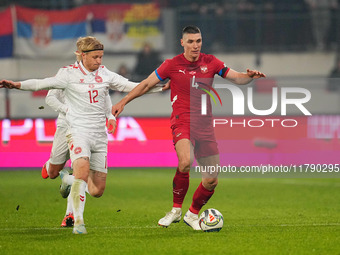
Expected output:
(47, 234)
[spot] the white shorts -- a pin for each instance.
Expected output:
(60, 153)
(92, 145)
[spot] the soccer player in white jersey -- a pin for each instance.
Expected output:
(86, 87)
(56, 100)
(60, 153)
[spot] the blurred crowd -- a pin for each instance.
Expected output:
(293, 24)
(241, 25)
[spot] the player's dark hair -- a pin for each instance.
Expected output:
(191, 30)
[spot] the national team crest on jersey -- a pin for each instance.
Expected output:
(98, 79)
(204, 69)
(77, 150)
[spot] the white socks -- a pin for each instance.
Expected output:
(78, 196)
(69, 208)
(68, 179)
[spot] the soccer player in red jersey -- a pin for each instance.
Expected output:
(191, 135)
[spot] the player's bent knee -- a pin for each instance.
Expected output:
(184, 166)
(97, 193)
(210, 183)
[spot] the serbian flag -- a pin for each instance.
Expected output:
(6, 34)
(42, 33)
(126, 27)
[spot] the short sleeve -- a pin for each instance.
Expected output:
(120, 83)
(162, 71)
(221, 68)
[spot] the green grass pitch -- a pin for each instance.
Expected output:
(261, 216)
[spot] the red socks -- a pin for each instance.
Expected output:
(200, 198)
(180, 187)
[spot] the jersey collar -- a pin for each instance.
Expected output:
(82, 68)
(85, 71)
(190, 61)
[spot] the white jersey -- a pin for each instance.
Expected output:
(85, 94)
(56, 100)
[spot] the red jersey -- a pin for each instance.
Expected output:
(186, 98)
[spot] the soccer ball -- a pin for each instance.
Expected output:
(211, 220)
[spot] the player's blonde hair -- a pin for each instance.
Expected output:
(87, 44)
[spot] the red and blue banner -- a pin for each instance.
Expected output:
(126, 27)
(53, 33)
(6, 34)
(43, 33)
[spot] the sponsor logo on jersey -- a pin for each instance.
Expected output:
(81, 80)
(204, 69)
(182, 71)
(192, 72)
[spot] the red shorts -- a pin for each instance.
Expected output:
(203, 140)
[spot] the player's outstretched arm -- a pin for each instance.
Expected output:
(129, 85)
(244, 78)
(36, 84)
(10, 84)
(138, 91)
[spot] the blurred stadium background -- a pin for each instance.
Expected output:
(262, 215)
(280, 38)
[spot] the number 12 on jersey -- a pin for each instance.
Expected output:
(93, 94)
